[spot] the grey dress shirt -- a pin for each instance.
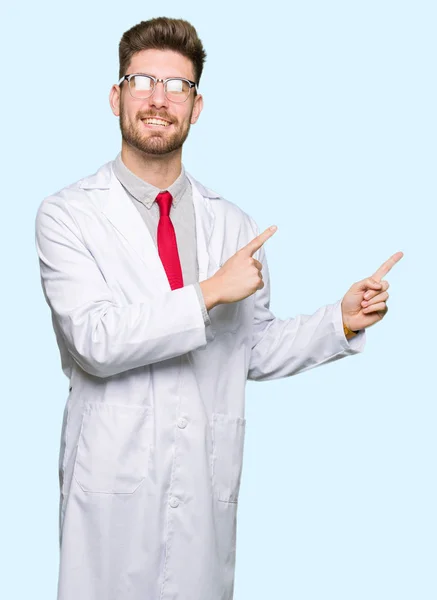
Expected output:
(182, 215)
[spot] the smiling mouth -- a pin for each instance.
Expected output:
(154, 121)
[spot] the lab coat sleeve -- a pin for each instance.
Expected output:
(105, 337)
(281, 348)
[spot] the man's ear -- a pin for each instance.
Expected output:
(197, 108)
(114, 99)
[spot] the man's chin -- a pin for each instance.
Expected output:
(155, 147)
(154, 144)
(158, 148)
(153, 151)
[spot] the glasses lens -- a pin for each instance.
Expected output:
(177, 90)
(141, 86)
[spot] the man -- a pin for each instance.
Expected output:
(159, 293)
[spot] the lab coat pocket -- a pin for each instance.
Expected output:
(114, 448)
(227, 460)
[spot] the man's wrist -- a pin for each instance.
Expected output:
(209, 294)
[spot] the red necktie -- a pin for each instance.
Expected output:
(167, 245)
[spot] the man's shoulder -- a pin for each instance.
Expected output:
(76, 194)
(101, 179)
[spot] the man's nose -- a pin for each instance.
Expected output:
(158, 98)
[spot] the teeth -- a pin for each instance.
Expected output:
(156, 122)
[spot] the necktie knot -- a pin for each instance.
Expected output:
(163, 199)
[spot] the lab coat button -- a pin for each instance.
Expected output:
(174, 502)
(182, 423)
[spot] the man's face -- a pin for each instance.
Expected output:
(156, 139)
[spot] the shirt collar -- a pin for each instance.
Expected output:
(143, 191)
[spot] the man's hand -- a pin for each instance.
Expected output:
(239, 277)
(365, 302)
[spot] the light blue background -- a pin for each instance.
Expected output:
(338, 148)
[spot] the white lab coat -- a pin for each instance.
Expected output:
(153, 431)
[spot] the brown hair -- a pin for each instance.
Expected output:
(162, 33)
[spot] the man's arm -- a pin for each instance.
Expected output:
(284, 347)
(104, 337)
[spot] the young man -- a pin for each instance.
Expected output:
(159, 292)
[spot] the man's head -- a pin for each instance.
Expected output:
(162, 48)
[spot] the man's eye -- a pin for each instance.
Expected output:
(175, 85)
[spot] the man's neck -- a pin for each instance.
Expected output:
(160, 171)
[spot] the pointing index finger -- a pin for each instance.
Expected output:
(387, 266)
(257, 242)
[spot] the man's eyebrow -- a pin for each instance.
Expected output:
(169, 77)
(143, 73)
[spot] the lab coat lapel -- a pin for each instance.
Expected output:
(123, 215)
(204, 217)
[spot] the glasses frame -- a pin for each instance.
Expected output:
(155, 80)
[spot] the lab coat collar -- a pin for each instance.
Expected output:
(123, 215)
(102, 179)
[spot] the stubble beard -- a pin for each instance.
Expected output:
(150, 142)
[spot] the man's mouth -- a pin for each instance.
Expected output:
(156, 122)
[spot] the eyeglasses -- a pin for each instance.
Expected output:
(176, 89)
